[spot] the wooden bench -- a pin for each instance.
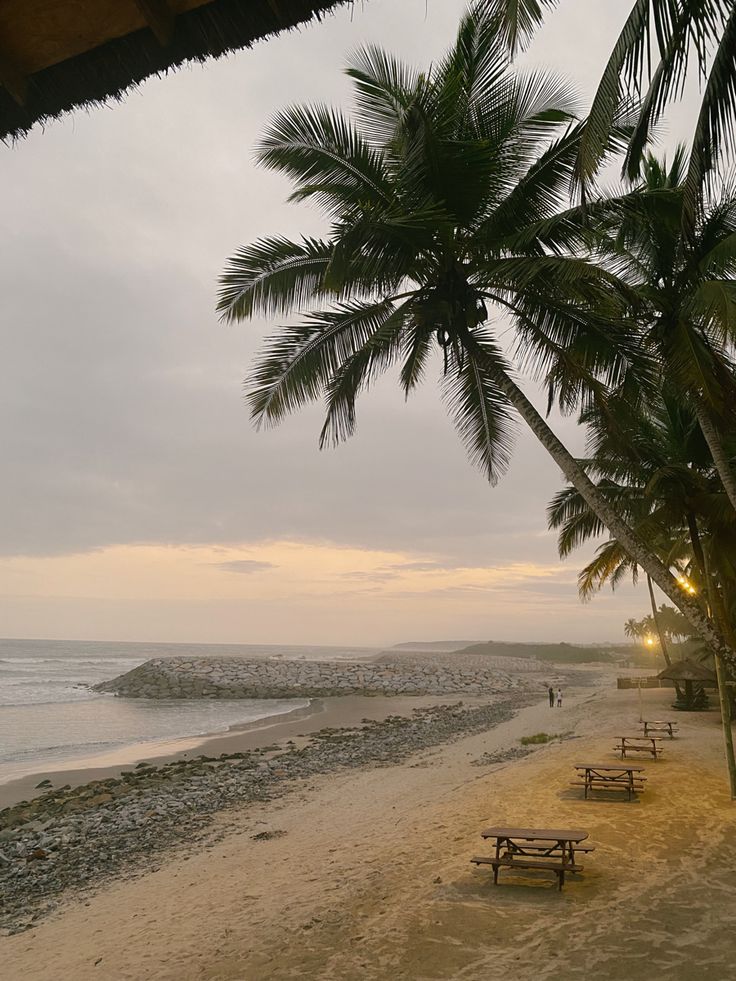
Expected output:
(621, 777)
(637, 785)
(545, 849)
(660, 725)
(508, 862)
(639, 744)
(552, 847)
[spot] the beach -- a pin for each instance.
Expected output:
(318, 714)
(364, 873)
(52, 719)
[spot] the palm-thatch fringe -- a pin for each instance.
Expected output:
(108, 70)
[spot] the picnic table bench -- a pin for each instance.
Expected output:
(660, 725)
(607, 776)
(534, 848)
(639, 744)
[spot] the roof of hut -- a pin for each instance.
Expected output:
(56, 55)
(687, 670)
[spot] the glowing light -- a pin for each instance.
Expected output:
(649, 641)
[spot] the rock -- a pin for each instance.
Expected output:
(117, 827)
(101, 799)
(44, 783)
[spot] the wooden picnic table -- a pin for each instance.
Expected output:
(639, 744)
(549, 849)
(609, 776)
(659, 725)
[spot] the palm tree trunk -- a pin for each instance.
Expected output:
(600, 506)
(657, 624)
(720, 459)
(660, 631)
(718, 610)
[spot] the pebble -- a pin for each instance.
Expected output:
(75, 838)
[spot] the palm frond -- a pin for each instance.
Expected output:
(385, 88)
(356, 373)
(629, 52)
(417, 350)
(298, 362)
(715, 130)
(469, 75)
(271, 277)
(319, 148)
(517, 19)
(610, 564)
(537, 196)
(481, 413)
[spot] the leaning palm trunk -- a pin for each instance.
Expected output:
(657, 624)
(660, 631)
(720, 459)
(600, 506)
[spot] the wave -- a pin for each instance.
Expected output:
(66, 748)
(88, 661)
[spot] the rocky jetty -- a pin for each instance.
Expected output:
(235, 677)
(72, 838)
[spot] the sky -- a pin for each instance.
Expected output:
(139, 503)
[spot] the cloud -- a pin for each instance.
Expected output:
(121, 411)
(245, 566)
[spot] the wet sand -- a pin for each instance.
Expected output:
(320, 714)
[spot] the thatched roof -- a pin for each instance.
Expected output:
(56, 55)
(687, 670)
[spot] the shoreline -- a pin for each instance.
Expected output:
(70, 840)
(363, 874)
(335, 711)
(129, 754)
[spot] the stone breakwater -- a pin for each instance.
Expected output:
(233, 677)
(72, 838)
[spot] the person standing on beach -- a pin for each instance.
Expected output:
(559, 698)
(551, 697)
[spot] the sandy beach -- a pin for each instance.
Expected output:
(366, 874)
(321, 713)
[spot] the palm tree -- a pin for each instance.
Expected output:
(439, 203)
(677, 31)
(688, 294)
(633, 628)
(654, 461)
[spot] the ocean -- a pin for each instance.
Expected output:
(51, 720)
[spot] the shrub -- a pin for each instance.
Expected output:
(538, 737)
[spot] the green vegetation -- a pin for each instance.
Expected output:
(538, 737)
(556, 653)
(647, 68)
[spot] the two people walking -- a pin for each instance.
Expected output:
(551, 693)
